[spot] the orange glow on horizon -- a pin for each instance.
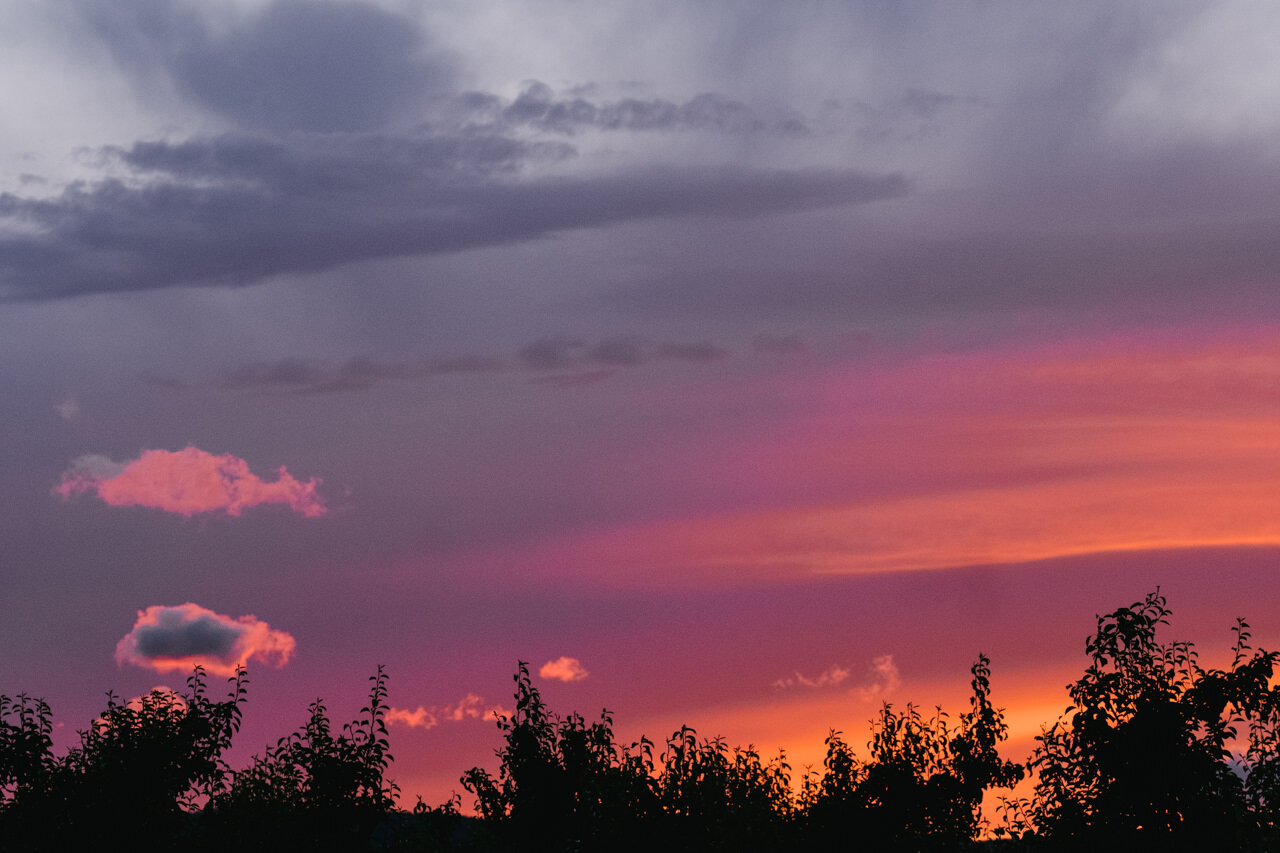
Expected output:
(981, 459)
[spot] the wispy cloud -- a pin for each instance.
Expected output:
(881, 679)
(554, 359)
(302, 376)
(169, 638)
(539, 106)
(833, 674)
(68, 409)
(187, 482)
(563, 669)
(884, 679)
(469, 707)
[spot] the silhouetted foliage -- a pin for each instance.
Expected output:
(1156, 752)
(1143, 757)
(140, 769)
(563, 784)
(716, 798)
(923, 785)
(314, 788)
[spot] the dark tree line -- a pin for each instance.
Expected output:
(1156, 752)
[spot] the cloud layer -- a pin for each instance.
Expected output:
(235, 208)
(187, 482)
(179, 638)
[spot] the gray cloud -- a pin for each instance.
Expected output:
(291, 65)
(567, 353)
(293, 375)
(204, 635)
(232, 209)
(169, 638)
(538, 106)
(568, 360)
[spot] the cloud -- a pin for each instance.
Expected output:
(833, 674)
(884, 679)
(68, 409)
(290, 65)
(179, 638)
(581, 362)
(469, 707)
(563, 669)
(562, 352)
(187, 482)
(233, 209)
(538, 106)
(421, 718)
(299, 376)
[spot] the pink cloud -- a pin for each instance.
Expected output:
(833, 674)
(187, 482)
(563, 669)
(469, 707)
(422, 718)
(884, 679)
(178, 638)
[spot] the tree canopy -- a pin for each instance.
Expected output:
(1154, 752)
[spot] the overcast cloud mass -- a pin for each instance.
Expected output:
(769, 361)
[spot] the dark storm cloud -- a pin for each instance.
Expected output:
(232, 209)
(293, 65)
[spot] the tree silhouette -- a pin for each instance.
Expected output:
(140, 769)
(563, 784)
(314, 789)
(1156, 752)
(1143, 757)
(923, 785)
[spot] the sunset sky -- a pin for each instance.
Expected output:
(737, 364)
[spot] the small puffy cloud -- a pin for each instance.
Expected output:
(563, 669)
(421, 718)
(179, 638)
(187, 482)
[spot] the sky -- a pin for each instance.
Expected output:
(740, 365)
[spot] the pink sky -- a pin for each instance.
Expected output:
(729, 366)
